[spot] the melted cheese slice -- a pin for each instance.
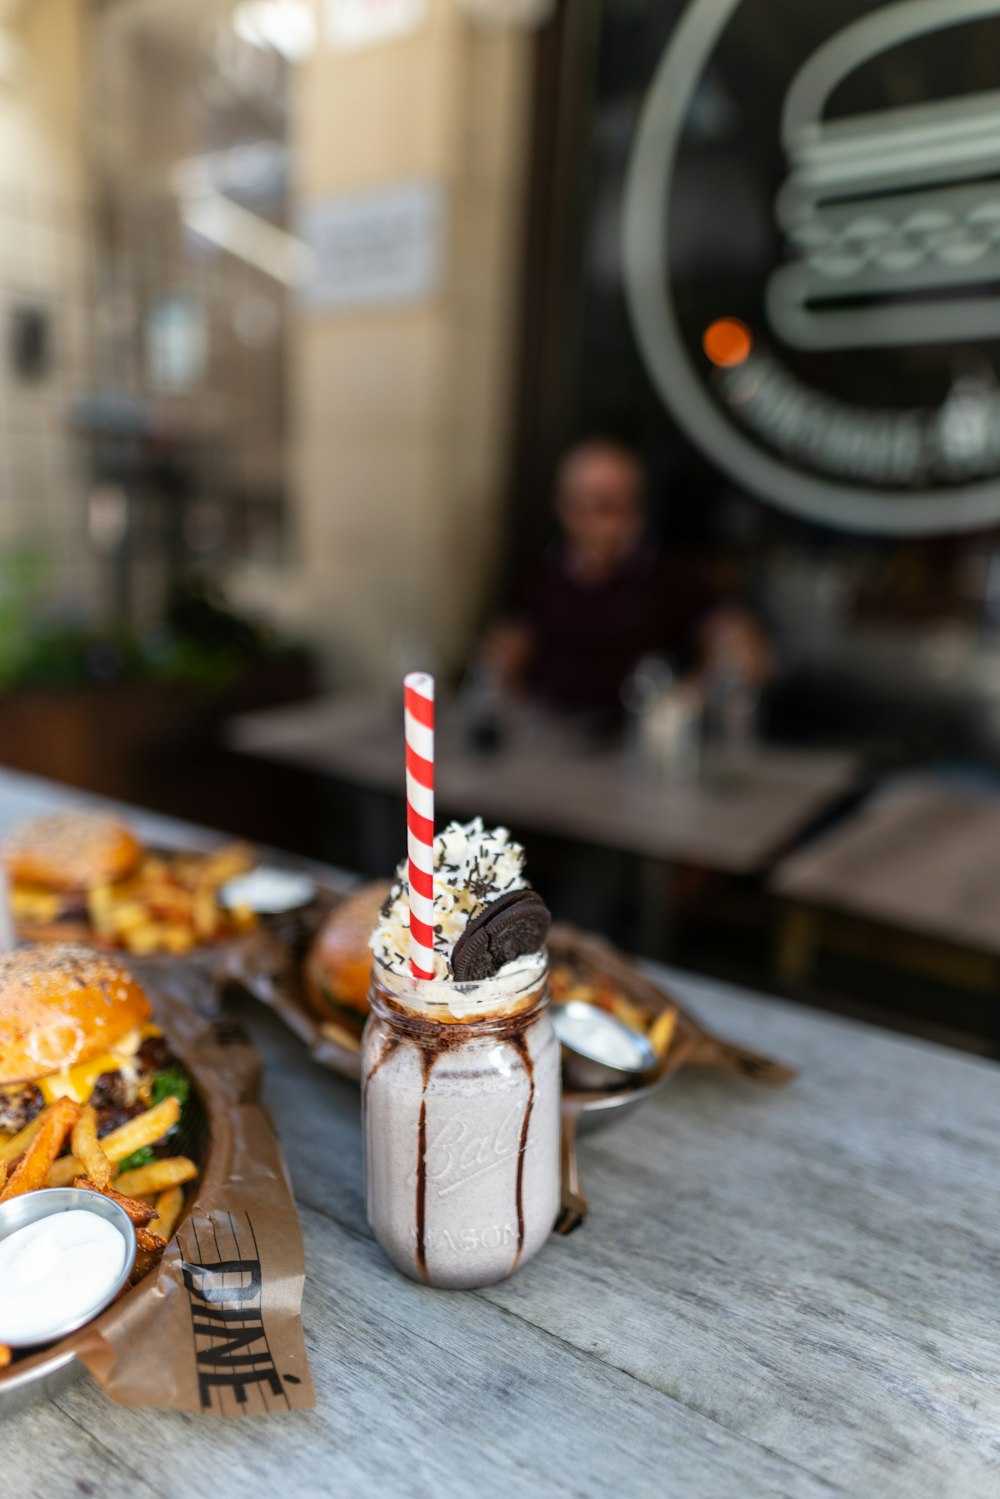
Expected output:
(78, 1082)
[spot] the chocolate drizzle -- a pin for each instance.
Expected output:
(433, 1039)
(520, 1045)
(383, 1056)
(427, 1060)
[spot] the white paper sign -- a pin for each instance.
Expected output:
(377, 248)
(353, 24)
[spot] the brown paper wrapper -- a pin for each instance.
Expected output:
(216, 1328)
(693, 1045)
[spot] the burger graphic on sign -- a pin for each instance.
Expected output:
(816, 290)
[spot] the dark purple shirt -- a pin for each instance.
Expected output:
(588, 637)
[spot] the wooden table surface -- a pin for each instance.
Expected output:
(731, 818)
(923, 855)
(788, 1293)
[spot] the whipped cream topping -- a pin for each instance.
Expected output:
(473, 866)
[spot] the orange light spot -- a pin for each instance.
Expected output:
(727, 342)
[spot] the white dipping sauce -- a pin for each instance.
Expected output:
(600, 1037)
(57, 1272)
(268, 891)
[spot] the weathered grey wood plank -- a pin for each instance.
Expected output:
(806, 1267)
(424, 1393)
(814, 1268)
(786, 1293)
(45, 1452)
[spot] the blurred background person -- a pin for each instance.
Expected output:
(606, 594)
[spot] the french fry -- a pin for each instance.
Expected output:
(156, 1177)
(33, 1168)
(661, 1032)
(142, 940)
(169, 1206)
(341, 1035)
(177, 938)
(87, 1148)
(18, 1144)
(129, 915)
(144, 1129)
(64, 1171)
(149, 1242)
(101, 908)
(206, 913)
(628, 1012)
(141, 1213)
(143, 1264)
(6, 1354)
(225, 863)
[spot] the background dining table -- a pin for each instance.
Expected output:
(777, 1293)
(732, 813)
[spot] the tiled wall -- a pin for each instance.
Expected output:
(45, 265)
(45, 269)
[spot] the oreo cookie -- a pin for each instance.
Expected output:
(510, 927)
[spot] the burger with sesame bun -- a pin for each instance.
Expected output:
(75, 1024)
(53, 861)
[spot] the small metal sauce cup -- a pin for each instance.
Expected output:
(31, 1207)
(587, 1066)
(289, 890)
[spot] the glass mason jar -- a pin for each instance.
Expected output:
(460, 1106)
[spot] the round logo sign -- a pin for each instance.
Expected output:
(812, 254)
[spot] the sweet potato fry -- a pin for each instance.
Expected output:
(140, 1213)
(3, 1174)
(87, 1148)
(144, 1129)
(156, 1177)
(143, 1264)
(18, 1144)
(6, 1354)
(169, 1205)
(149, 1242)
(33, 1168)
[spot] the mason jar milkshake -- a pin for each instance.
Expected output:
(461, 1073)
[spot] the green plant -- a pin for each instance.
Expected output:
(23, 571)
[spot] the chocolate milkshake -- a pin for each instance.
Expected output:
(461, 1073)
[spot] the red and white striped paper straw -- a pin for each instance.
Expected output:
(418, 704)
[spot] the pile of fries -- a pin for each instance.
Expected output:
(152, 1195)
(172, 903)
(571, 981)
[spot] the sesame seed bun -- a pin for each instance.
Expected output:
(62, 1005)
(71, 851)
(338, 968)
